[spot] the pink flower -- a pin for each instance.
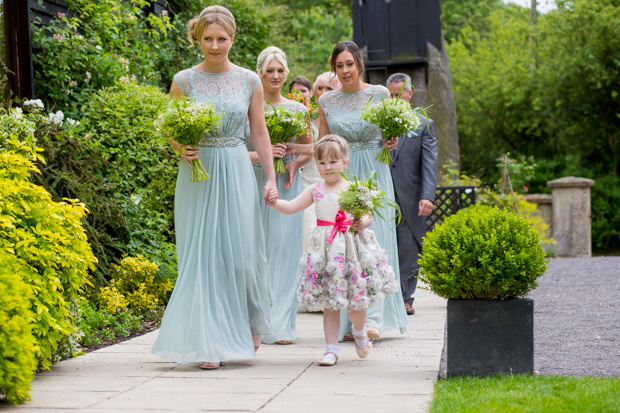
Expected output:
(58, 37)
(164, 12)
(61, 15)
(525, 188)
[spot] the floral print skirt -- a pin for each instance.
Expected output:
(350, 273)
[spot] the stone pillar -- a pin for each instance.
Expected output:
(543, 209)
(572, 227)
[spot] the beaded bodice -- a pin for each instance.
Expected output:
(229, 92)
(343, 110)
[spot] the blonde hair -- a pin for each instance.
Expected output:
(266, 56)
(212, 14)
(329, 78)
(332, 146)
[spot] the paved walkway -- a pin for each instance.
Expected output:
(398, 376)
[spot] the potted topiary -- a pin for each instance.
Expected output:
(485, 261)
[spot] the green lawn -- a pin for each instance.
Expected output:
(523, 393)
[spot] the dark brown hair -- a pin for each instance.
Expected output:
(350, 47)
(301, 80)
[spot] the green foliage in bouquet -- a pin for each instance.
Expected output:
(394, 117)
(482, 253)
(186, 122)
(18, 360)
(363, 197)
(48, 240)
(284, 124)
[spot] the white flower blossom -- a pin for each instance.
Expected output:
(34, 104)
(56, 118)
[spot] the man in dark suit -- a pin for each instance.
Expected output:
(414, 172)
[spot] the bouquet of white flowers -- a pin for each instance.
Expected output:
(394, 117)
(185, 121)
(363, 197)
(282, 125)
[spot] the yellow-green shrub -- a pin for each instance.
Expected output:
(48, 239)
(18, 362)
(135, 284)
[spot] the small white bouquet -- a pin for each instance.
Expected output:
(185, 122)
(363, 197)
(394, 117)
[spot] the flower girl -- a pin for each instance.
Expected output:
(343, 269)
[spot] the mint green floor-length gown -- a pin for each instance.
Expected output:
(220, 298)
(342, 111)
(283, 239)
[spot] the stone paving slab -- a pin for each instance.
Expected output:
(398, 375)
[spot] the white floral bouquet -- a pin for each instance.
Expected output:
(394, 117)
(185, 121)
(363, 197)
(283, 124)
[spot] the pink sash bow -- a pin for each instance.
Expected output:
(340, 224)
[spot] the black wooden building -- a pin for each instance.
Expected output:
(395, 34)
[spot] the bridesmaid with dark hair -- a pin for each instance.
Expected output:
(339, 113)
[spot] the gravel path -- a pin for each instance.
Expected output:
(577, 318)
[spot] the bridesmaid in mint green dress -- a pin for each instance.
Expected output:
(283, 233)
(220, 304)
(339, 113)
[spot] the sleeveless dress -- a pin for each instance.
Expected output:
(309, 176)
(347, 271)
(342, 112)
(220, 298)
(283, 240)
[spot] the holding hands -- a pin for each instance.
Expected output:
(270, 193)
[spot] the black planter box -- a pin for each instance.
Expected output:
(489, 337)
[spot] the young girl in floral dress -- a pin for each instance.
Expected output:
(342, 270)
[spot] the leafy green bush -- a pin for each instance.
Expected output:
(47, 238)
(140, 170)
(482, 253)
(102, 42)
(98, 326)
(74, 168)
(134, 284)
(18, 361)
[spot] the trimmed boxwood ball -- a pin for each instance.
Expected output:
(482, 253)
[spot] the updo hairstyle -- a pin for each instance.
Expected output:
(266, 56)
(212, 14)
(350, 47)
(328, 78)
(331, 146)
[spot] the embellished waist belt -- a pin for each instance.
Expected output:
(222, 142)
(361, 146)
(340, 224)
